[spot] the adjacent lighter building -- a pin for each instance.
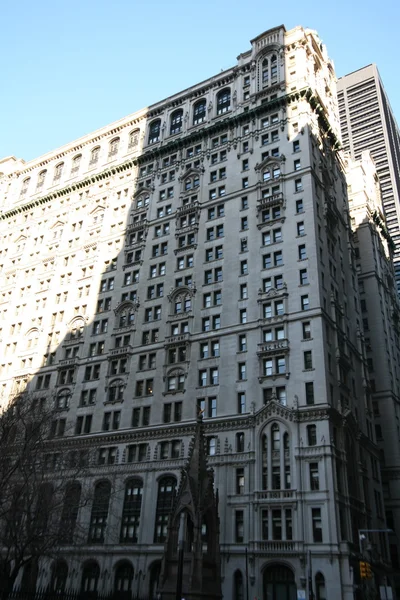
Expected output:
(368, 123)
(198, 256)
(380, 310)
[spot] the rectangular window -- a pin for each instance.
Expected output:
(316, 524)
(303, 277)
(314, 476)
(278, 259)
(298, 185)
(309, 388)
(241, 403)
(302, 252)
(305, 304)
(240, 481)
(300, 228)
(242, 371)
(308, 364)
(239, 526)
(306, 326)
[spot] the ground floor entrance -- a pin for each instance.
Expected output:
(279, 583)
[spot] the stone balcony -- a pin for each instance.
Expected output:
(279, 547)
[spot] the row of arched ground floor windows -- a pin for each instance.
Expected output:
(278, 584)
(278, 580)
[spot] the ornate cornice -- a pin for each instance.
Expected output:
(181, 143)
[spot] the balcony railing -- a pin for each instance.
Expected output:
(273, 200)
(279, 547)
(276, 495)
(272, 347)
(184, 210)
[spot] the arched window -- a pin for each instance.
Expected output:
(58, 171)
(276, 438)
(238, 588)
(116, 391)
(113, 148)
(90, 577)
(44, 507)
(32, 339)
(154, 575)
(29, 577)
(265, 71)
(279, 582)
(94, 156)
(98, 519)
(41, 179)
(69, 513)
(274, 68)
(25, 186)
(76, 329)
(123, 579)
(320, 591)
(269, 71)
(176, 122)
(134, 138)
(240, 442)
(63, 399)
(199, 112)
(165, 498)
(276, 473)
(131, 511)
(264, 452)
(76, 163)
(154, 131)
(223, 101)
(59, 575)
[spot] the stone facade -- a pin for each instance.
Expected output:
(194, 256)
(380, 310)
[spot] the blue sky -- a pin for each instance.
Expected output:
(68, 68)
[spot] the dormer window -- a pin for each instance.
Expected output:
(113, 151)
(223, 101)
(154, 131)
(176, 122)
(41, 179)
(134, 138)
(94, 156)
(199, 112)
(58, 172)
(25, 185)
(76, 161)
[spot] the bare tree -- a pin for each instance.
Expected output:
(40, 493)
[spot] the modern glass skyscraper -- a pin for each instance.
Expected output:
(368, 123)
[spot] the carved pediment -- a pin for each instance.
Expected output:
(274, 409)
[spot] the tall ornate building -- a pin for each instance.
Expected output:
(198, 256)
